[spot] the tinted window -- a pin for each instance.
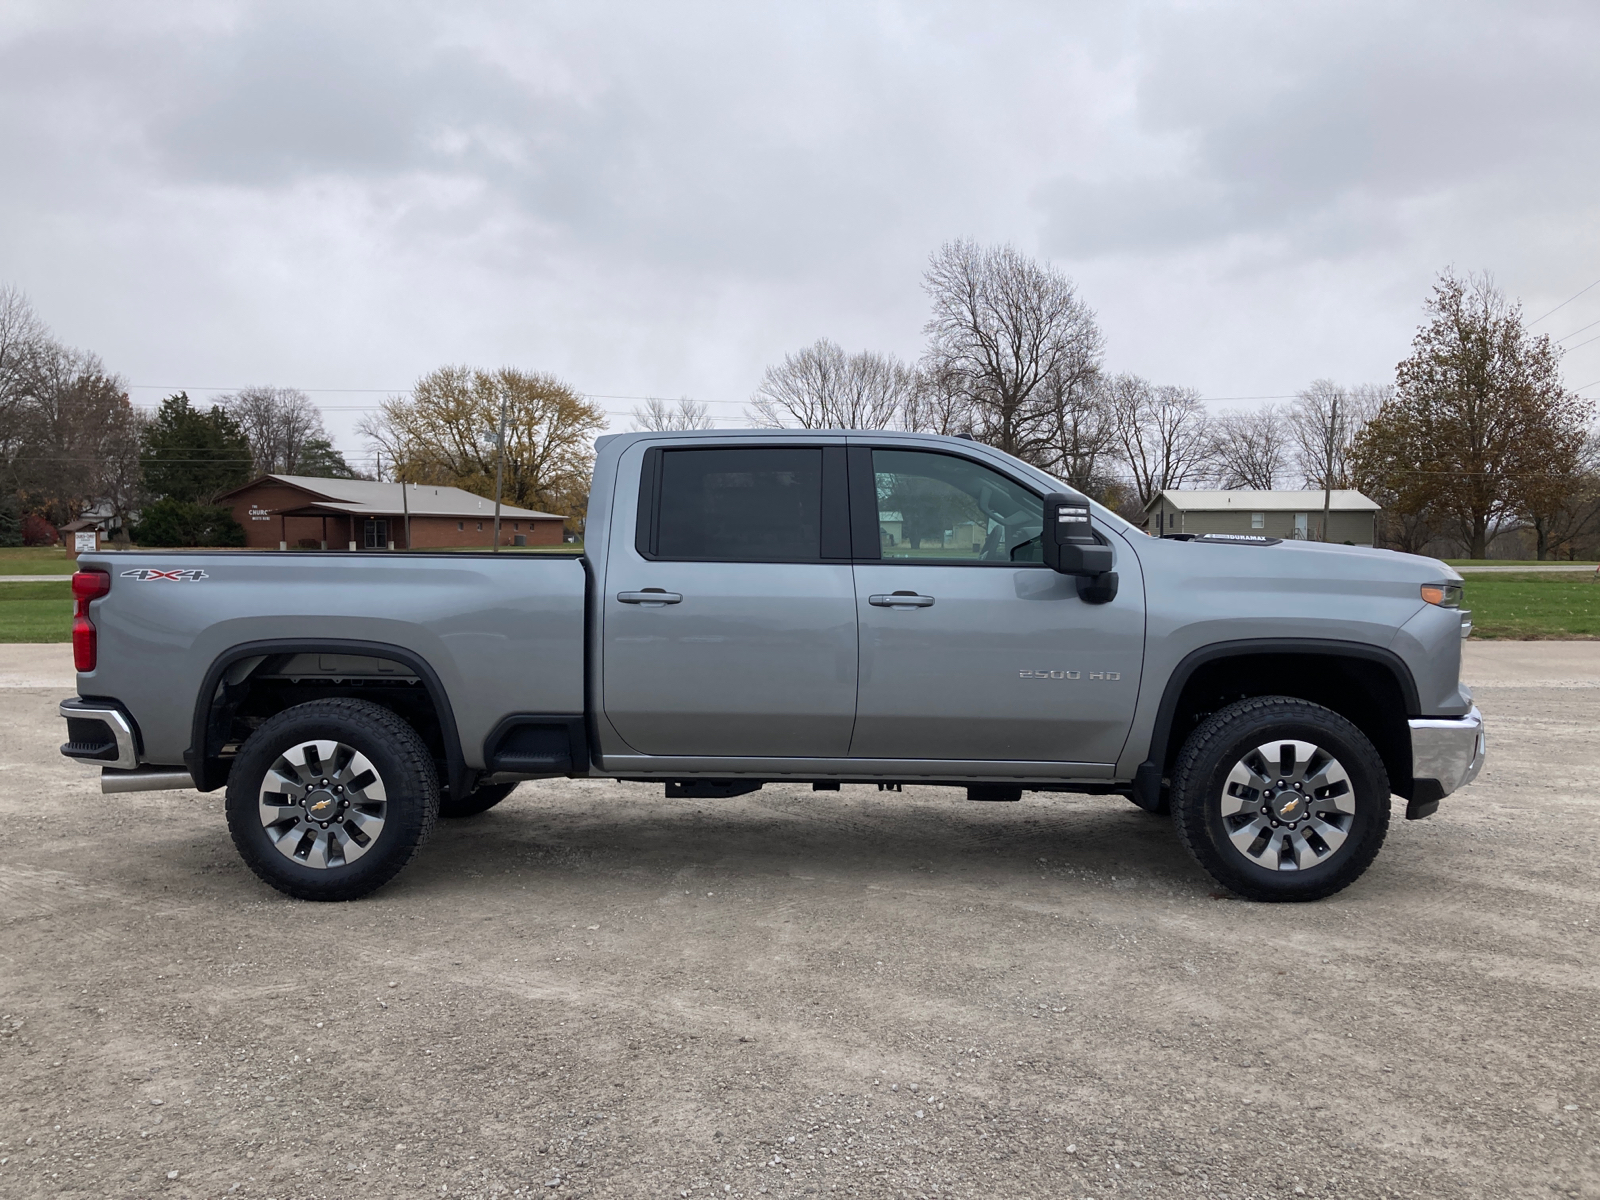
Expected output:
(741, 504)
(940, 508)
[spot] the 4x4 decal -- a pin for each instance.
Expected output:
(145, 574)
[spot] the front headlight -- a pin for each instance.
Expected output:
(1445, 595)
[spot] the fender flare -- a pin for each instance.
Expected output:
(1148, 776)
(201, 761)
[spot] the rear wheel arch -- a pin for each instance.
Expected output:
(1368, 685)
(214, 708)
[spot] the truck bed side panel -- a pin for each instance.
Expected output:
(504, 633)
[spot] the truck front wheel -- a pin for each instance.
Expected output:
(1280, 799)
(329, 800)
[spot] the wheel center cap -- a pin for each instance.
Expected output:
(321, 805)
(1289, 806)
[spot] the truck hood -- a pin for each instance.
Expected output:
(1347, 567)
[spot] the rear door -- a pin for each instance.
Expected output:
(971, 648)
(729, 612)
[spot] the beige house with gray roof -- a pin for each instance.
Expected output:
(1290, 515)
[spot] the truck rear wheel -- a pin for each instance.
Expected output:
(329, 800)
(1280, 799)
(478, 800)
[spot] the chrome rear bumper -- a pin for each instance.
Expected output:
(1446, 753)
(100, 734)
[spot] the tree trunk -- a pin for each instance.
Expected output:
(1480, 539)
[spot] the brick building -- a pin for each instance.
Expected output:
(280, 511)
(1287, 515)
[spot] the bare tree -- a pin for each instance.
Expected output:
(81, 437)
(1563, 507)
(1326, 419)
(1162, 432)
(24, 340)
(1250, 448)
(279, 424)
(938, 405)
(822, 387)
(1084, 435)
(69, 437)
(1002, 326)
(657, 416)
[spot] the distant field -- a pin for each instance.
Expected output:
(1516, 562)
(34, 560)
(1553, 604)
(35, 612)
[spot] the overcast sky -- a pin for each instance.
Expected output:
(662, 198)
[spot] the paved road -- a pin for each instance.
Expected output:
(594, 991)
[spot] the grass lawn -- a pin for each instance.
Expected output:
(1515, 562)
(35, 560)
(35, 612)
(1545, 605)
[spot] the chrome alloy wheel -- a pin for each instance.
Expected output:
(1288, 805)
(322, 804)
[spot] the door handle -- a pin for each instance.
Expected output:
(901, 600)
(650, 597)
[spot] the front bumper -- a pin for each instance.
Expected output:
(1446, 753)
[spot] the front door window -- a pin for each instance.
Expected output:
(937, 508)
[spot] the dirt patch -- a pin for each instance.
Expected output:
(591, 990)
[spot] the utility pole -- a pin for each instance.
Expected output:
(1327, 464)
(499, 470)
(405, 509)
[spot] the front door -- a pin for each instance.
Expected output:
(971, 648)
(729, 612)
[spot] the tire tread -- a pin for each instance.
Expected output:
(1189, 803)
(401, 740)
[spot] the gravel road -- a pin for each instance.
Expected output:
(595, 991)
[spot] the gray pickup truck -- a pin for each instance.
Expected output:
(821, 607)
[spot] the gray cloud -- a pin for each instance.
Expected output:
(663, 198)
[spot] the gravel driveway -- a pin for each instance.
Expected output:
(595, 991)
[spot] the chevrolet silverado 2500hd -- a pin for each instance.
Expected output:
(819, 607)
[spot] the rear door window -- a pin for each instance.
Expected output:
(737, 504)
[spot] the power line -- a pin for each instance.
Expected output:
(1577, 331)
(1562, 305)
(196, 387)
(1585, 342)
(404, 391)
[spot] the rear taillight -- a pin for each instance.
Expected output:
(86, 586)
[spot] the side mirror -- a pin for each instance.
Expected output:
(1071, 548)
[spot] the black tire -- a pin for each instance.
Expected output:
(403, 772)
(1201, 789)
(478, 800)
